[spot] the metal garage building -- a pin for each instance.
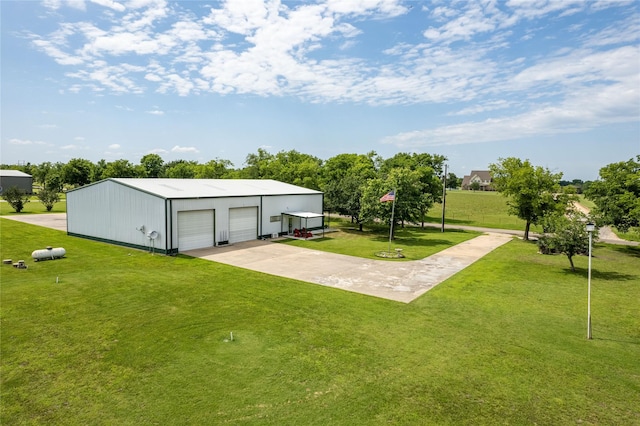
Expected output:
(9, 178)
(174, 215)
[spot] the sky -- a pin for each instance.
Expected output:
(553, 81)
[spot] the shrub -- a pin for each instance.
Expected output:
(48, 197)
(16, 198)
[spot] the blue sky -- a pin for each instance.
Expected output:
(556, 82)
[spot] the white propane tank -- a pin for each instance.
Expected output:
(48, 253)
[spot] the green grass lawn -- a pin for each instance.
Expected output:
(129, 338)
(477, 208)
(586, 202)
(415, 243)
(34, 206)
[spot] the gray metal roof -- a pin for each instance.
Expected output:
(213, 188)
(13, 173)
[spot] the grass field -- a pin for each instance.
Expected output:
(33, 207)
(125, 337)
(477, 208)
(415, 243)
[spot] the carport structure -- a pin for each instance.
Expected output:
(295, 220)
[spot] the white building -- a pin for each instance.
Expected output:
(174, 215)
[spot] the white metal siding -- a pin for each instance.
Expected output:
(243, 224)
(114, 212)
(275, 205)
(195, 229)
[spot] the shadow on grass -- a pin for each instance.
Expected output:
(449, 221)
(599, 275)
(604, 339)
(633, 251)
(411, 242)
(400, 232)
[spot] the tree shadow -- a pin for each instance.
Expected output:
(633, 251)
(413, 242)
(632, 342)
(600, 275)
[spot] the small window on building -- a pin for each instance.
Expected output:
(275, 218)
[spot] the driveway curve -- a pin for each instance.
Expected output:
(398, 281)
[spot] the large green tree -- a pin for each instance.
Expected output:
(286, 166)
(180, 169)
(257, 165)
(152, 165)
(532, 191)
(617, 194)
(121, 169)
(214, 169)
(343, 179)
(77, 172)
(453, 181)
(566, 234)
(48, 175)
(412, 197)
(428, 169)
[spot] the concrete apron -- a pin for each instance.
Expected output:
(398, 281)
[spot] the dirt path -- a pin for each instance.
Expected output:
(605, 233)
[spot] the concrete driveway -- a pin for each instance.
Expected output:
(50, 220)
(399, 281)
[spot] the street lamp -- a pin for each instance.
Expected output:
(590, 228)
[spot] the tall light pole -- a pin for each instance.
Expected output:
(590, 228)
(444, 194)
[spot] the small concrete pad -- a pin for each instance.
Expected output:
(399, 281)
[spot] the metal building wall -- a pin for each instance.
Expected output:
(24, 183)
(109, 211)
(221, 207)
(277, 204)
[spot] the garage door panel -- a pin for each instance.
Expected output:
(195, 229)
(243, 224)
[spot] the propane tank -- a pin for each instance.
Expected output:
(48, 253)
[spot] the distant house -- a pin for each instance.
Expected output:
(10, 178)
(481, 177)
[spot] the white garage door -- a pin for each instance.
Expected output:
(243, 224)
(195, 229)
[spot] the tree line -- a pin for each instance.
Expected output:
(354, 183)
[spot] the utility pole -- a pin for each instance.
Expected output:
(444, 194)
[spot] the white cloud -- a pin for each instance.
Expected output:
(16, 141)
(78, 138)
(181, 149)
(268, 48)
(599, 105)
(69, 147)
(48, 126)
(155, 112)
(114, 146)
(484, 107)
(110, 4)
(378, 8)
(158, 151)
(56, 4)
